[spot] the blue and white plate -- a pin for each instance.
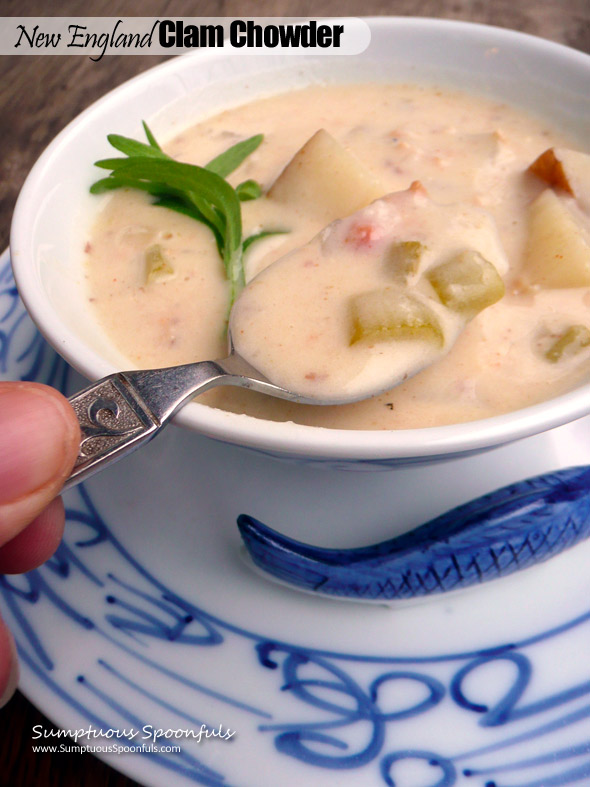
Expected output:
(149, 619)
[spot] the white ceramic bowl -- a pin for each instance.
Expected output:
(54, 205)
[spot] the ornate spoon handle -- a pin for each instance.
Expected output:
(122, 412)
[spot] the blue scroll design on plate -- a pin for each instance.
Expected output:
(346, 711)
(489, 537)
(339, 694)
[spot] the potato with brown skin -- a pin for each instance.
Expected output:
(550, 169)
(565, 169)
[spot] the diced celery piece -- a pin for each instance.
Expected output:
(157, 265)
(467, 283)
(391, 314)
(403, 258)
(570, 343)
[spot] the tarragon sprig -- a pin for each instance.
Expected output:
(199, 192)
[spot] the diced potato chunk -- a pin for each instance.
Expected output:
(392, 314)
(326, 179)
(558, 249)
(565, 169)
(403, 258)
(467, 283)
(570, 343)
(157, 265)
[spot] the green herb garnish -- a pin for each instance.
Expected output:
(248, 190)
(259, 236)
(199, 192)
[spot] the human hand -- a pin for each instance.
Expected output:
(39, 441)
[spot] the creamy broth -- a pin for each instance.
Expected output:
(462, 149)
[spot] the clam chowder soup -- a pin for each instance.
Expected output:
(396, 237)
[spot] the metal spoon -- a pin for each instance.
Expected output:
(121, 412)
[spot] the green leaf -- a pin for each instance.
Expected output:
(109, 163)
(227, 162)
(259, 236)
(150, 137)
(248, 190)
(131, 147)
(118, 182)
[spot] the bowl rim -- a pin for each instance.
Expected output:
(288, 437)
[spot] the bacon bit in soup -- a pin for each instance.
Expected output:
(362, 235)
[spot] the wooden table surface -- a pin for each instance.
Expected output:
(40, 95)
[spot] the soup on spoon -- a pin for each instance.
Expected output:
(372, 299)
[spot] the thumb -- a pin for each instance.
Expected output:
(39, 439)
(9, 672)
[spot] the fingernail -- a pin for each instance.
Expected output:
(14, 675)
(33, 427)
